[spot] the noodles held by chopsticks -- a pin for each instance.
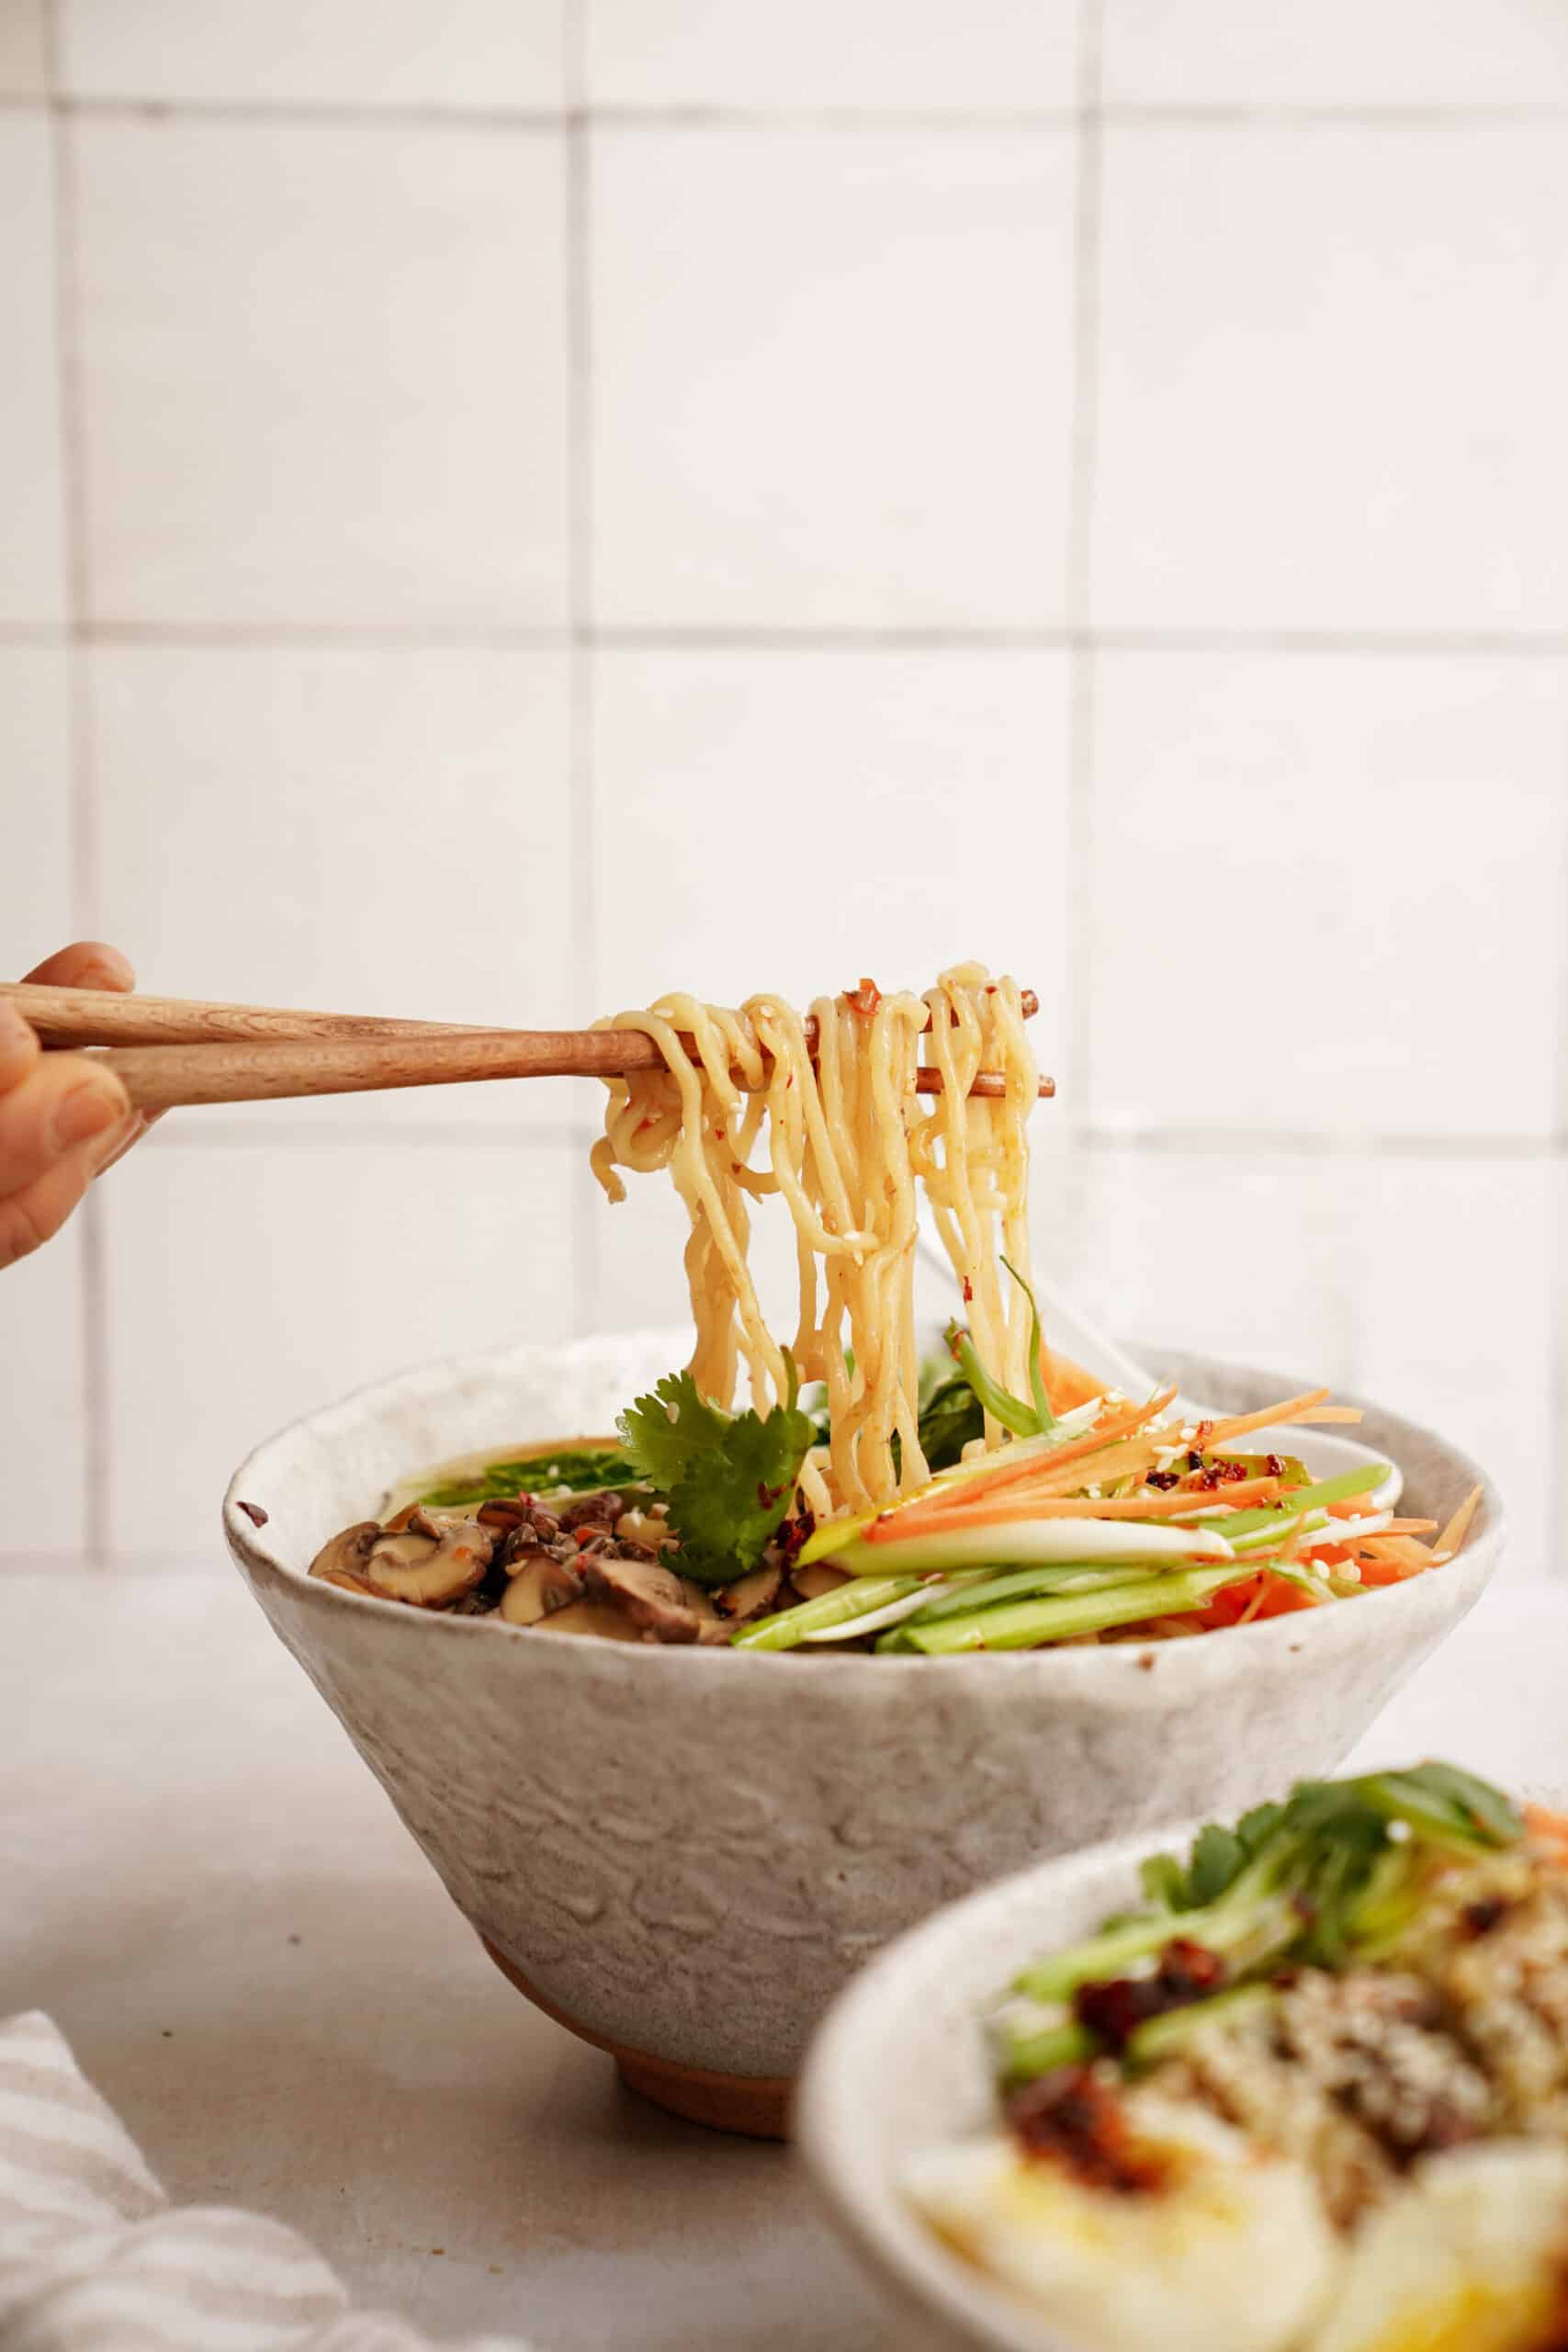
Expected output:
(845, 1142)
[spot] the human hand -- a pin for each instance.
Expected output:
(62, 1118)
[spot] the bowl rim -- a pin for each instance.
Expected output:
(1189, 1666)
(831, 2102)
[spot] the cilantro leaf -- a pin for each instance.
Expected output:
(1218, 1860)
(661, 1432)
(729, 1480)
(950, 1416)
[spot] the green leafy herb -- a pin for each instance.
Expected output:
(951, 1417)
(1341, 1869)
(730, 1478)
(580, 1468)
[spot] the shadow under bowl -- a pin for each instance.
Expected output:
(684, 1854)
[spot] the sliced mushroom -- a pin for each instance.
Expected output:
(440, 1557)
(590, 1617)
(347, 1552)
(539, 1585)
(651, 1597)
(813, 1582)
(600, 1508)
(752, 1596)
(345, 1581)
(698, 1598)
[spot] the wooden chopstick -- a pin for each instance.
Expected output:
(210, 1053)
(104, 1017)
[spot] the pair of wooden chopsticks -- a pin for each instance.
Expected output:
(170, 1052)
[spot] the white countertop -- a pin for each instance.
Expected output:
(201, 1881)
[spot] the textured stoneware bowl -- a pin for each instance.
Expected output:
(683, 1855)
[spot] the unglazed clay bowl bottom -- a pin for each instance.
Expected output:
(683, 1854)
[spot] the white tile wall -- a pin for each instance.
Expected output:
(477, 53)
(1228, 1253)
(819, 400)
(506, 507)
(24, 69)
(300, 1273)
(1336, 52)
(1349, 872)
(1331, 369)
(882, 55)
(375, 828)
(32, 556)
(305, 399)
(778, 810)
(43, 1460)
(1458, 1312)
(36, 831)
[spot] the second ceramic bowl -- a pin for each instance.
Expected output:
(684, 1854)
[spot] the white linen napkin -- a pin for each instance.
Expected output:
(94, 2257)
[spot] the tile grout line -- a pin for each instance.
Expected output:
(1557, 1492)
(1375, 644)
(83, 796)
(1082, 682)
(1124, 114)
(580, 660)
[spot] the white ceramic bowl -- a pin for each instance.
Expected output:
(899, 2065)
(685, 1855)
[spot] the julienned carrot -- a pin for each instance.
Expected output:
(1028, 1505)
(1263, 1595)
(1548, 1829)
(1458, 1528)
(1126, 1421)
(1376, 1573)
(1294, 1408)
(968, 1502)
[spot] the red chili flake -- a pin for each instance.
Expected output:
(767, 1496)
(865, 998)
(968, 1291)
(1202, 1433)
(718, 1134)
(1116, 2007)
(791, 1537)
(789, 1081)
(1273, 1466)
(253, 1512)
(1163, 1479)
(1184, 1964)
(1072, 2117)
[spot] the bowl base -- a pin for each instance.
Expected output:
(755, 2107)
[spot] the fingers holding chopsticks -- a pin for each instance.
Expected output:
(85, 964)
(62, 1118)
